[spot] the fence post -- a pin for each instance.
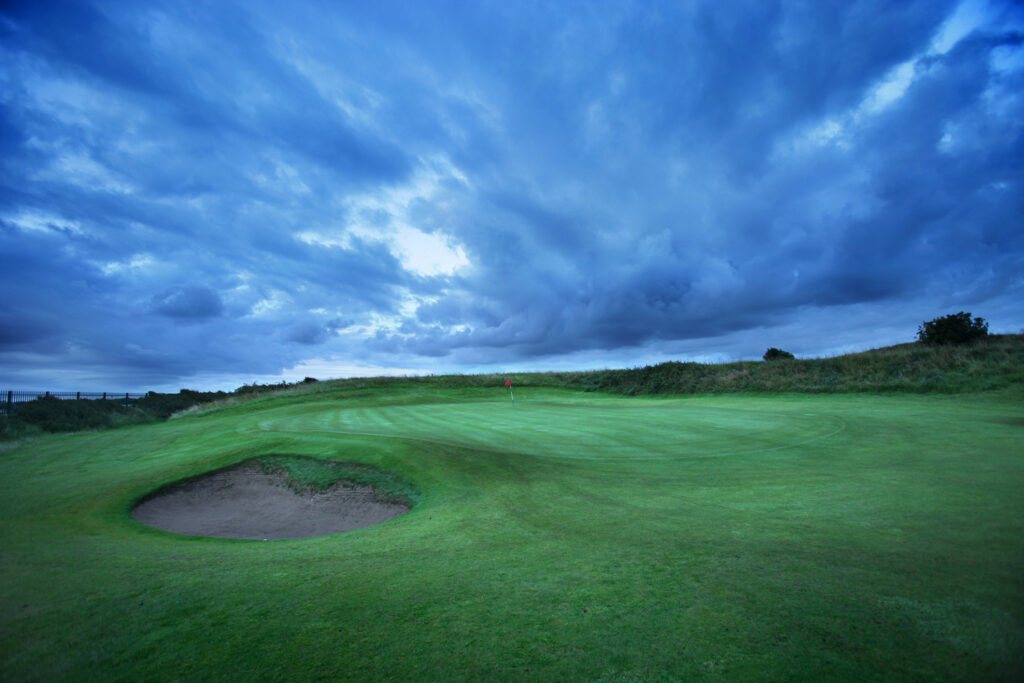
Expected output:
(10, 402)
(126, 399)
(78, 395)
(104, 396)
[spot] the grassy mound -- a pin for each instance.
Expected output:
(996, 362)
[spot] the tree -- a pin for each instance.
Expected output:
(777, 354)
(956, 328)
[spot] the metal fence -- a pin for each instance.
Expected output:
(10, 400)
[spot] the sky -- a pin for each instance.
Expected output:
(205, 194)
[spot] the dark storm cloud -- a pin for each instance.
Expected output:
(189, 302)
(313, 332)
(237, 188)
(23, 330)
(877, 215)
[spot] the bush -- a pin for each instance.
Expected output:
(52, 414)
(162, 406)
(956, 328)
(255, 388)
(777, 354)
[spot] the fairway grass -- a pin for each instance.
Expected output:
(563, 536)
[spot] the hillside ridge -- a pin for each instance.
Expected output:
(996, 362)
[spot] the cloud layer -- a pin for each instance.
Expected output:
(202, 194)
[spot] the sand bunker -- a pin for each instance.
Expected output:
(246, 502)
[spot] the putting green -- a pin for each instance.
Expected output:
(602, 430)
(567, 536)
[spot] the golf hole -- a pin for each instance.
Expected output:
(259, 499)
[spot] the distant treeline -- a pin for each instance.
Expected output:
(77, 411)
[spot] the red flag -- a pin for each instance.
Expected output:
(508, 383)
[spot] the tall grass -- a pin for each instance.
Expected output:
(993, 363)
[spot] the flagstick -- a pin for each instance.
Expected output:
(511, 394)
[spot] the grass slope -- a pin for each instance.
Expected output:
(993, 363)
(565, 536)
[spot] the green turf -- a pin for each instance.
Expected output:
(565, 536)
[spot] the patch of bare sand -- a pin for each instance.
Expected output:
(244, 502)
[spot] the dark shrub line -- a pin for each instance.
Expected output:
(48, 413)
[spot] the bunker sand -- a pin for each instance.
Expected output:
(245, 502)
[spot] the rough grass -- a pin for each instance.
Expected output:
(313, 473)
(993, 363)
(996, 362)
(567, 536)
